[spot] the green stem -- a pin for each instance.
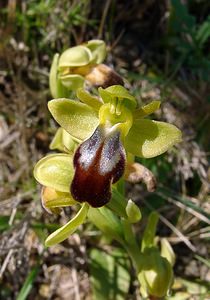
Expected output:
(135, 255)
(131, 245)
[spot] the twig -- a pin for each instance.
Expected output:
(188, 209)
(103, 18)
(174, 229)
(5, 263)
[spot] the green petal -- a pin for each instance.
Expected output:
(88, 99)
(75, 57)
(63, 141)
(78, 119)
(56, 171)
(118, 91)
(98, 50)
(72, 81)
(148, 138)
(65, 231)
(146, 109)
(56, 88)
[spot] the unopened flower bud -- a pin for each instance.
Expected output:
(52, 200)
(156, 276)
(133, 212)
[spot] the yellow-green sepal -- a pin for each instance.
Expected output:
(65, 231)
(55, 171)
(98, 50)
(78, 119)
(148, 138)
(75, 57)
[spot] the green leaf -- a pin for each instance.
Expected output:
(110, 274)
(65, 231)
(148, 239)
(107, 222)
(75, 57)
(78, 119)
(28, 284)
(148, 138)
(4, 223)
(98, 50)
(56, 171)
(203, 260)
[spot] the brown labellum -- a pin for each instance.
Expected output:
(98, 162)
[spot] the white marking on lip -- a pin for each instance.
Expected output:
(110, 154)
(89, 148)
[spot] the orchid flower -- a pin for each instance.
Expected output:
(79, 65)
(105, 130)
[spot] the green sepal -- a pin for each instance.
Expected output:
(98, 50)
(148, 138)
(75, 57)
(146, 110)
(56, 88)
(78, 119)
(63, 141)
(72, 81)
(65, 231)
(118, 92)
(55, 171)
(88, 99)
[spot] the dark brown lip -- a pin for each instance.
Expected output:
(98, 162)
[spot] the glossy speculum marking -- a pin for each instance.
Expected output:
(98, 162)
